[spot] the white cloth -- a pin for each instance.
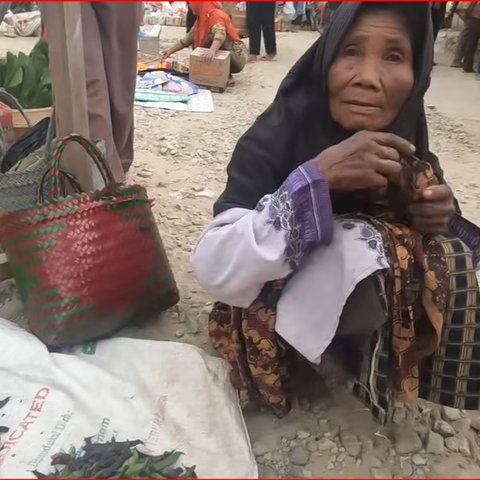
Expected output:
(309, 309)
(237, 254)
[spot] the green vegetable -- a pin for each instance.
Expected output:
(27, 77)
(116, 460)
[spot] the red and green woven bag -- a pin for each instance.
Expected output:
(87, 264)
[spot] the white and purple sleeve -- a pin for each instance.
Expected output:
(243, 249)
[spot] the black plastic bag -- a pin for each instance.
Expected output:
(33, 139)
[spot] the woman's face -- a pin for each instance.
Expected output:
(372, 75)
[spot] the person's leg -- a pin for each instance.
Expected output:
(268, 26)
(99, 114)
(438, 16)
(191, 19)
(254, 28)
(119, 24)
(460, 50)
(239, 56)
(471, 44)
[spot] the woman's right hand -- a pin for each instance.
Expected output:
(366, 160)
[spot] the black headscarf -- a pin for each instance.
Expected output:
(297, 126)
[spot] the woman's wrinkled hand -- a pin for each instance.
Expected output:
(433, 210)
(366, 160)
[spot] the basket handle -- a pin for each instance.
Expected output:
(64, 175)
(14, 103)
(90, 148)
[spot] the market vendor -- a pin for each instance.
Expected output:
(336, 221)
(214, 30)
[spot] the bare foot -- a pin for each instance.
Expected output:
(269, 58)
(252, 58)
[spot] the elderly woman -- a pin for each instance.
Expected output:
(336, 221)
(214, 30)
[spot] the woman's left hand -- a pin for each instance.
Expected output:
(209, 55)
(432, 212)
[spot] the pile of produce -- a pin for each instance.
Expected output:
(27, 77)
(116, 460)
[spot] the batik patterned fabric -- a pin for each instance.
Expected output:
(426, 346)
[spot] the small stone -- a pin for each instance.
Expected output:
(179, 333)
(419, 460)
(268, 457)
(399, 415)
(476, 424)
(341, 457)
(462, 425)
(464, 447)
(435, 414)
(452, 443)
(303, 435)
(381, 473)
(312, 446)
(351, 443)
(331, 466)
(358, 462)
(443, 428)
(406, 440)
(435, 443)
(451, 414)
(299, 456)
(324, 445)
(163, 151)
(336, 450)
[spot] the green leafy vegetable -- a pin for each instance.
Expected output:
(116, 460)
(27, 77)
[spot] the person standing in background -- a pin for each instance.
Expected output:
(472, 36)
(110, 44)
(261, 18)
(110, 36)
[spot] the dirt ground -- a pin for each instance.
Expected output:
(181, 158)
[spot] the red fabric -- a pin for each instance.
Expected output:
(209, 14)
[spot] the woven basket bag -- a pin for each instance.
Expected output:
(89, 263)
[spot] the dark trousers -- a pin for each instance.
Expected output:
(191, 19)
(472, 36)
(438, 16)
(460, 50)
(261, 17)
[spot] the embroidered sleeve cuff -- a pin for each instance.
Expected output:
(310, 196)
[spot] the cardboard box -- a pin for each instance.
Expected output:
(210, 74)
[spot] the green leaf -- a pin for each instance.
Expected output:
(14, 74)
(170, 460)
